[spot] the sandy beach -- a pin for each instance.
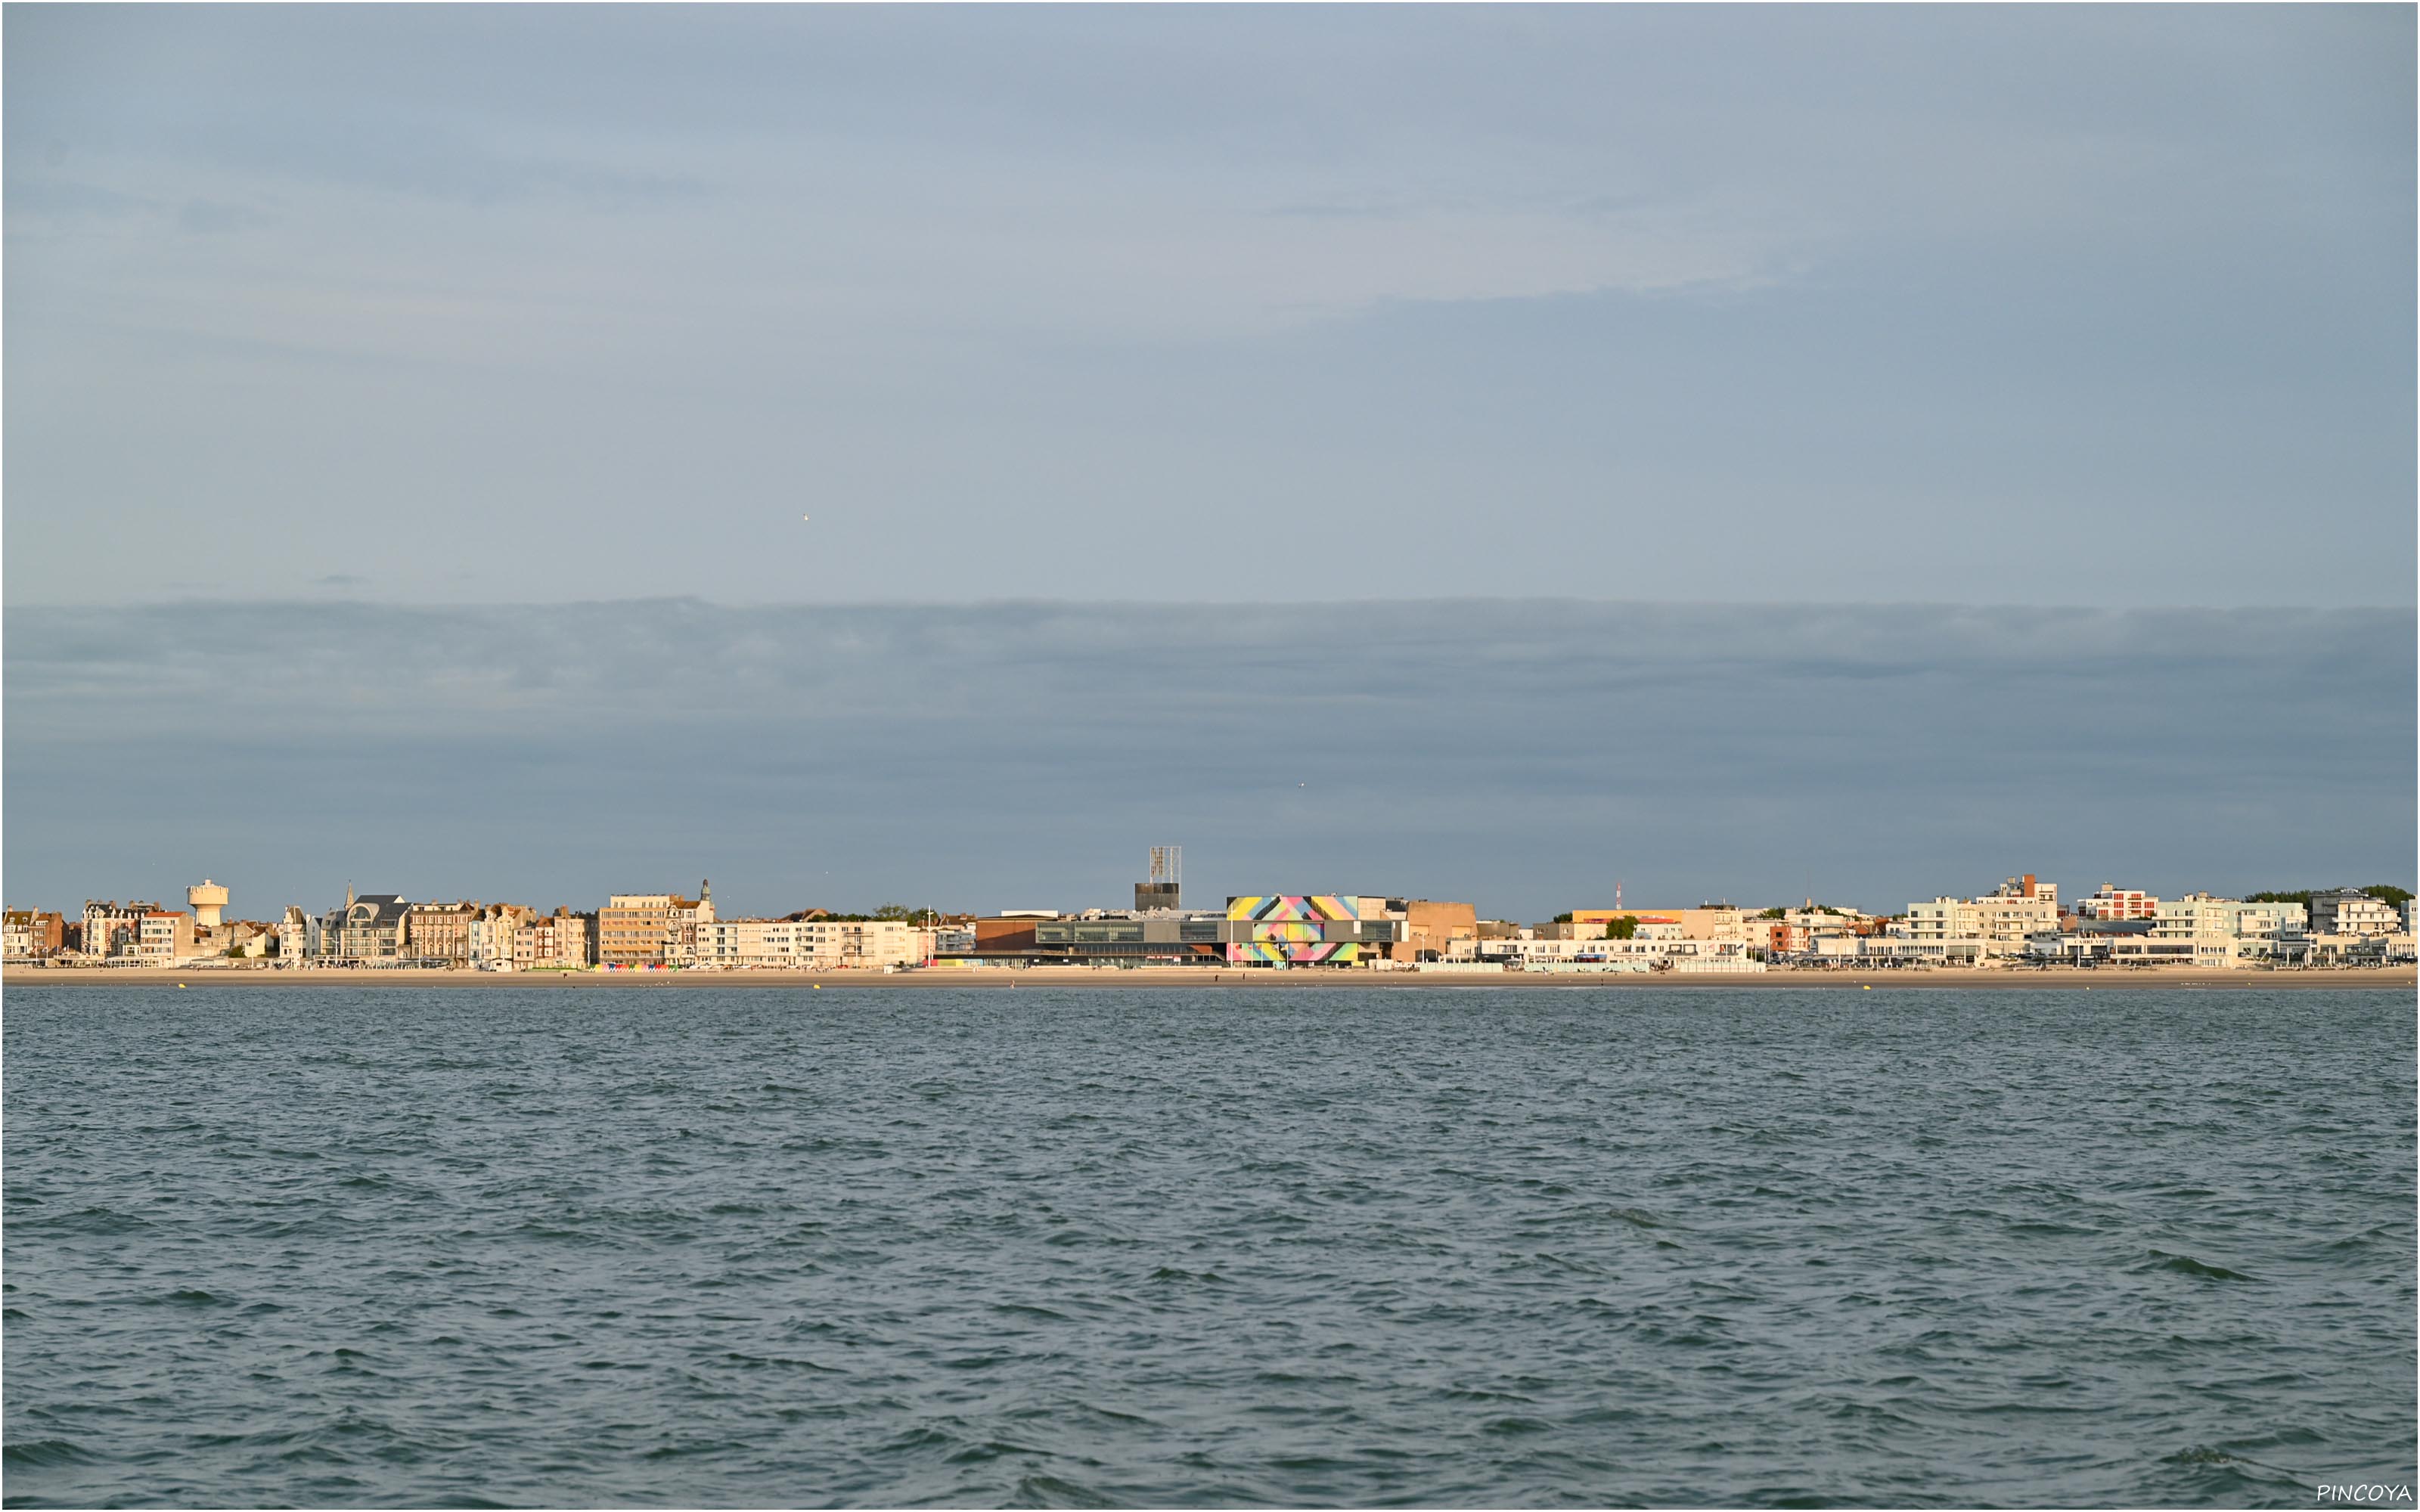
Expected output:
(1003, 979)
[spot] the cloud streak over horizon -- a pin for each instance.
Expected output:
(1525, 755)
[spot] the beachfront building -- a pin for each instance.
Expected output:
(31, 934)
(2345, 911)
(2113, 901)
(439, 934)
(162, 937)
(298, 937)
(490, 933)
(2347, 949)
(559, 941)
(1307, 929)
(652, 928)
(1792, 933)
(811, 942)
(1784, 938)
(1159, 936)
(2266, 931)
(1896, 951)
(241, 939)
(369, 931)
(2002, 920)
(2230, 931)
(1434, 931)
(1655, 948)
(116, 931)
(2118, 942)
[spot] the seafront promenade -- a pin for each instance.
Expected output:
(1190, 978)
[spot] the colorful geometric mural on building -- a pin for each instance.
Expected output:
(1294, 929)
(1286, 909)
(1271, 954)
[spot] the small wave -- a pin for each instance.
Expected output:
(737, 1358)
(2187, 1265)
(44, 1452)
(1022, 1309)
(1050, 1490)
(1170, 1273)
(990, 1449)
(684, 1451)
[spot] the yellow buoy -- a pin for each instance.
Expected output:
(180, 986)
(1864, 988)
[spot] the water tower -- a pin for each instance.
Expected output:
(207, 900)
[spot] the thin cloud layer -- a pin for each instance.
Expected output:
(1526, 755)
(2038, 304)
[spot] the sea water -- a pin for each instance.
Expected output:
(1500, 1247)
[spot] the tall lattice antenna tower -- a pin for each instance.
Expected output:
(1166, 888)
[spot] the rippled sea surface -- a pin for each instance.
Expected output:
(1440, 1246)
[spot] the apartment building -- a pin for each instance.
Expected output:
(489, 935)
(652, 928)
(2113, 903)
(30, 934)
(113, 931)
(163, 937)
(553, 942)
(810, 943)
(439, 932)
(2126, 943)
(2347, 912)
(1665, 948)
(368, 931)
(2002, 920)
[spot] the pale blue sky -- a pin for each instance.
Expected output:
(360, 362)
(2047, 305)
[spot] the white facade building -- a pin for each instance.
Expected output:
(1655, 948)
(810, 943)
(298, 937)
(2132, 948)
(2003, 920)
(1899, 950)
(2347, 912)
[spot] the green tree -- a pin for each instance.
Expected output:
(1624, 928)
(1775, 913)
(2384, 891)
(1562, 918)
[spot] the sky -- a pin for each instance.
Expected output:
(465, 304)
(930, 455)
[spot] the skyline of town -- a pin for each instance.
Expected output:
(2023, 919)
